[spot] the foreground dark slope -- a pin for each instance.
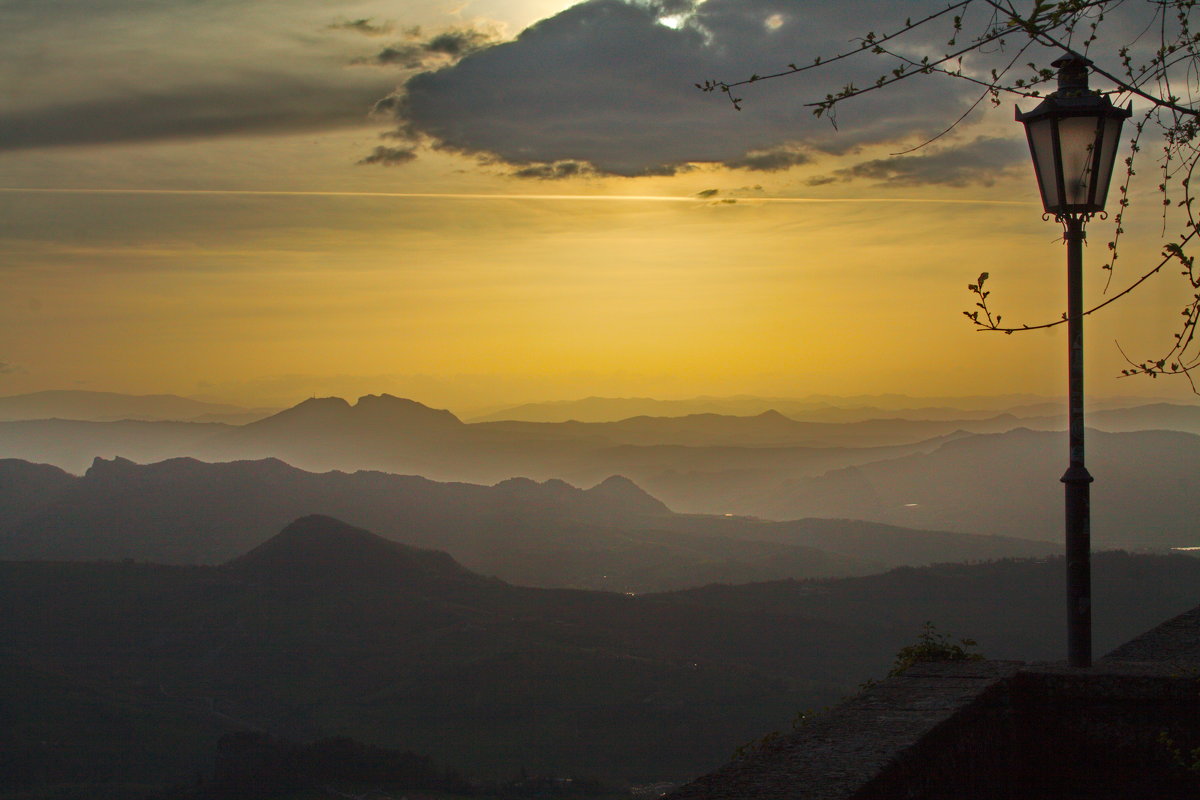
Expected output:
(612, 536)
(330, 629)
(327, 629)
(1012, 607)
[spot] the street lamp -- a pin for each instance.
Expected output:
(1073, 136)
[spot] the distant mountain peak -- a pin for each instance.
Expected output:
(615, 495)
(390, 405)
(321, 549)
(516, 484)
(616, 483)
(383, 398)
(553, 491)
(627, 495)
(322, 402)
(372, 414)
(313, 407)
(105, 466)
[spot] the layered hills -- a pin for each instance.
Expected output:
(612, 536)
(386, 571)
(78, 404)
(960, 474)
(814, 408)
(1144, 495)
(766, 464)
(326, 628)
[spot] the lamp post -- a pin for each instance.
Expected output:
(1073, 136)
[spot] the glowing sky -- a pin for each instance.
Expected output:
(554, 210)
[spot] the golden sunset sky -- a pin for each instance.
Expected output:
(560, 212)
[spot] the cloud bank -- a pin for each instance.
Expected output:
(607, 87)
(115, 71)
(976, 163)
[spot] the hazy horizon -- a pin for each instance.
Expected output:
(467, 406)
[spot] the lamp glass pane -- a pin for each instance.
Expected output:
(1041, 145)
(1108, 156)
(1077, 140)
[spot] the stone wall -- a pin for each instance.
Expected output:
(994, 731)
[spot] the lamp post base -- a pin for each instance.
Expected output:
(1077, 486)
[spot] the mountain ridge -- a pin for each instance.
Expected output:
(80, 404)
(320, 549)
(613, 536)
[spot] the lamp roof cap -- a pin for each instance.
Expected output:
(1072, 73)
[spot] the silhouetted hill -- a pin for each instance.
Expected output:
(73, 445)
(702, 463)
(1007, 484)
(612, 536)
(310, 413)
(77, 404)
(1013, 607)
(546, 534)
(767, 475)
(620, 492)
(499, 676)
(489, 676)
(317, 549)
(886, 544)
(371, 414)
(1153, 416)
(813, 408)
(25, 487)
(377, 432)
(768, 429)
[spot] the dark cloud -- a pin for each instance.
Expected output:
(780, 158)
(9, 369)
(459, 42)
(707, 193)
(173, 69)
(409, 56)
(275, 106)
(560, 170)
(610, 83)
(440, 49)
(551, 172)
(364, 26)
(976, 163)
(607, 83)
(389, 156)
(670, 8)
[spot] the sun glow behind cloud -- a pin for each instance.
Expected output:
(641, 295)
(231, 260)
